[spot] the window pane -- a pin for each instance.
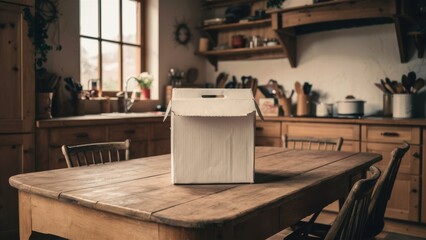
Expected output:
(110, 19)
(88, 60)
(89, 18)
(131, 21)
(131, 65)
(110, 67)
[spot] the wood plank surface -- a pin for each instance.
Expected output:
(141, 189)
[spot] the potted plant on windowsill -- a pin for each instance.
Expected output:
(145, 81)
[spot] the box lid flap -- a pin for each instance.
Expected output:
(212, 102)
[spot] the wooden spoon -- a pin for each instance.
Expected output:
(419, 84)
(384, 87)
(298, 87)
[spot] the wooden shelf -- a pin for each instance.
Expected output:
(258, 53)
(224, 3)
(287, 23)
(233, 26)
(240, 51)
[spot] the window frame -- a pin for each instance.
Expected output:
(142, 44)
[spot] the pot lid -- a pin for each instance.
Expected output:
(351, 99)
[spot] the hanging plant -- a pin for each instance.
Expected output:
(275, 3)
(46, 12)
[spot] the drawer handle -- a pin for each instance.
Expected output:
(416, 155)
(390, 134)
(82, 135)
(131, 131)
(259, 128)
(414, 190)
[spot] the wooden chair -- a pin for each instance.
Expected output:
(351, 220)
(308, 143)
(96, 153)
(381, 195)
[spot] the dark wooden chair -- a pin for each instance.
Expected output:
(381, 195)
(309, 143)
(96, 153)
(351, 220)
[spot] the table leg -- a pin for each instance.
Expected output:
(24, 215)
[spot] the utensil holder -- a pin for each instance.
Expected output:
(303, 105)
(402, 105)
(387, 105)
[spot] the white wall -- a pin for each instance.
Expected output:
(337, 63)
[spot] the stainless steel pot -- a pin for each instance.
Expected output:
(350, 107)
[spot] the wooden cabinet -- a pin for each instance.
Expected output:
(147, 139)
(17, 106)
(17, 156)
(221, 35)
(268, 133)
(405, 200)
(423, 203)
(17, 72)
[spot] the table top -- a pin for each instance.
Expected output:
(142, 189)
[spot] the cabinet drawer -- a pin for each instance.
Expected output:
(160, 130)
(134, 132)
(391, 134)
(268, 142)
(80, 135)
(320, 130)
(268, 129)
(410, 164)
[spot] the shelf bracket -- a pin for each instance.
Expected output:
(401, 28)
(288, 40)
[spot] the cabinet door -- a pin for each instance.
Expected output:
(17, 79)
(17, 156)
(410, 164)
(159, 147)
(405, 198)
(423, 204)
(138, 135)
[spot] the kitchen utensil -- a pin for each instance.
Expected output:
(412, 77)
(381, 87)
(221, 80)
(298, 87)
(384, 86)
(419, 84)
(307, 88)
(291, 94)
(350, 107)
(406, 83)
(191, 75)
(232, 84)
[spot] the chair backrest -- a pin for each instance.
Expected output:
(96, 153)
(309, 143)
(351, 220)
(381, 195)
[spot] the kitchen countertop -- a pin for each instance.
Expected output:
(365, 120)
(103, 118)
(116, 118)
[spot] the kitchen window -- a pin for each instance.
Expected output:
(111, 43)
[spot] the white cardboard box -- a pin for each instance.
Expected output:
(212, 135)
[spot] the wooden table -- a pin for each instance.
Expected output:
(136, 200)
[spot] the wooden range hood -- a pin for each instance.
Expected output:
(290, 22)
